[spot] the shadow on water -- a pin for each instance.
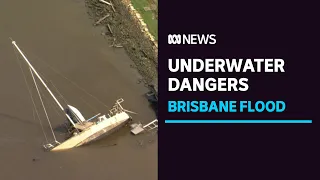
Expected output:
(62, 128)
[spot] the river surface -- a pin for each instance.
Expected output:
(59, 34)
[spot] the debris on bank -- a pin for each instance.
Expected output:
(123, 27)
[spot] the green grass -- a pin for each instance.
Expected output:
(147, 16)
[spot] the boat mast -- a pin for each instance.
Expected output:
(44, 84)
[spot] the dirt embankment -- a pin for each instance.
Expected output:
(123, 29)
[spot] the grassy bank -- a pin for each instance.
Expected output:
(149, 16)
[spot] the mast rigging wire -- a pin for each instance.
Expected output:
(44, 108)
(72, 82)
(77, 86)
(62, 97)
(32, 100)
(44, 84)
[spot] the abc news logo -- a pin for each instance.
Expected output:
(191, 39)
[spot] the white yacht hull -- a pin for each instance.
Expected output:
(94, 132)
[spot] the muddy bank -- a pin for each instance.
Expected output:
(122, 29)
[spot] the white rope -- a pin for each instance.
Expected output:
(32, 100)
(45, 111)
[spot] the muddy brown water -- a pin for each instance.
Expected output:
(60, 34)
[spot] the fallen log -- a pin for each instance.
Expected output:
(101, 19)
(117, 46)
(105, 2)
(110, 29)
(108, 3)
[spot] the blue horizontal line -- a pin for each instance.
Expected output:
(239, 121)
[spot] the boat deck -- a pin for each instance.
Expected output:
(84, 125)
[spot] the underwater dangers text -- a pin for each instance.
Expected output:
(218, 66)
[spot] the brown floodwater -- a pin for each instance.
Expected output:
(59, 33)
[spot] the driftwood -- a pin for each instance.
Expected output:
(144, 53)
(114, 44)
(110, 29)
(117, 46)
(108, 3)
(114, 10)
(101, 19)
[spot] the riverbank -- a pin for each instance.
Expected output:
(124, 28)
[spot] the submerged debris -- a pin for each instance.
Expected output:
(140, 143)
(109, 145)
(143, 143)
(35, 159)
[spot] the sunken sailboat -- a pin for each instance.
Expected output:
(83, 130)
